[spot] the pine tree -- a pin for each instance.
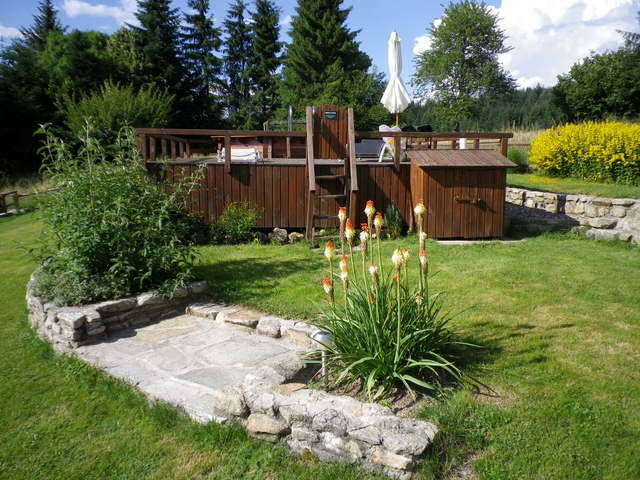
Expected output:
(44, 22)
(322, 51)
(158, 39)
(237, 50)
(264, 63)
(201, 41)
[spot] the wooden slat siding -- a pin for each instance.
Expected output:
(353, 171)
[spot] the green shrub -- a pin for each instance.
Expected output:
(385, 332)
(236, 224)
(393, 221)
(607, 151)
(111, 231)
(521, 158)
(115, 106)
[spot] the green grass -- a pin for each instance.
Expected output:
(558, 317)
(534, 181)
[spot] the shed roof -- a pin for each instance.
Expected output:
(459, 158)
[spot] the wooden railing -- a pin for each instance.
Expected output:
(432, 139)
(177, 143)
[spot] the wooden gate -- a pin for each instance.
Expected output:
(330, 132)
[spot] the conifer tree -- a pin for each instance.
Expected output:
(264, 62)
(201, 41)
(324, 63)
(158, 39)
(237, 50)
(45, 21)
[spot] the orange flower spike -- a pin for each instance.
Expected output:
(329, 250)
(422, 256)
(364, 227)
(349, 231)
(378, 222)
(405, 255)
(420, 209)
(328, 288)
(344, 266)
(342, 214)
(370, 209)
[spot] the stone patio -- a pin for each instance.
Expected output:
(185, 359)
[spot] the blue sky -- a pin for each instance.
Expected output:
(547, 36)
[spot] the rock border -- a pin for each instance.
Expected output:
(600, 218)
(67, 328)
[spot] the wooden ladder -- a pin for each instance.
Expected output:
(316, 181)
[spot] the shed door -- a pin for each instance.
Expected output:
(465, 202)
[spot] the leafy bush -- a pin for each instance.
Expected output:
(236, 224)
(394, 221)
(520, 158)
(111, 231)
(385, 332)
(608, 151)
(115, 106)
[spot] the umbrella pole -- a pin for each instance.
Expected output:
(397, 119)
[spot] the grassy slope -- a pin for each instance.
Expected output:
(559, 316)
(62, 420)
(571, 185)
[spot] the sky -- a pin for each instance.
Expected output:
(546, 36)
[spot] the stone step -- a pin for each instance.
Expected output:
(205, 310)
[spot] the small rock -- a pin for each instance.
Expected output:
(93, 318)
(596, 234)
(295, 237)
(115, 306)
(279, 235)
(198, 287)
(269, 326)
(603, 222)
(624, 202)
(230, 400)
(205, 310)
(72, 320)
(301, 433)
(245, 318)
(146, 299)
(380, 456)
(330, 420)
(259, 423)
(405, 443)
(618, 211)
(289, 388)
(97, 330)
(368, 434)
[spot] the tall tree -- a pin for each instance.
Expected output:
(45, 21)
(264, 62)
(461, 68)
(324, 63)
(158, 38)
(237, 51)
(201, 41)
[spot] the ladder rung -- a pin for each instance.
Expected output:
(339, 195)
(329, 177)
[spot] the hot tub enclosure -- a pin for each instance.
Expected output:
(463, 190)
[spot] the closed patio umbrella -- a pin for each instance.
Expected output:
(395, 99)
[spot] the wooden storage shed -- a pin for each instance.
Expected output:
(463, 190)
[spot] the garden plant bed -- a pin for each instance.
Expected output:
(223, 363)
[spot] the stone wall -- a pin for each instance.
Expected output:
(331, 427)
(598, 217)
(66, 328)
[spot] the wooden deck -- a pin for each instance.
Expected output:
(303, 177)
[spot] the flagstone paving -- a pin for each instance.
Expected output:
(184, 360)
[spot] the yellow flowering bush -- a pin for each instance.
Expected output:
(599, 151)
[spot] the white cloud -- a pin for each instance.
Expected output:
(286, 20)
(123, 13)
(9, 32)
(548, 36)
(422, 43)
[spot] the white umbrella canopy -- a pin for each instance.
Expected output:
(395, 99)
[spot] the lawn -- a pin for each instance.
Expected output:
(545, 183)
(558, 317)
